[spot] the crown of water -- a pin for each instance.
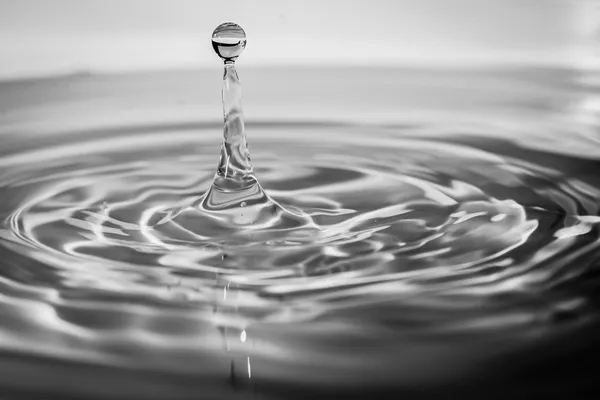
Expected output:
(229, 41)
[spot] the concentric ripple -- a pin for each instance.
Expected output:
(428, 236)
(426, 215)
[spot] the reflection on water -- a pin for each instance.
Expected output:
(435, 239)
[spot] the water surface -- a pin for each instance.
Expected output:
(440, 231)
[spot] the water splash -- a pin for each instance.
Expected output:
(235, 199)
(235, 171)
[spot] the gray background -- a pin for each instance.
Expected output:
(45, 37)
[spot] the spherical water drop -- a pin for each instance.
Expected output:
(243, 204)
(229, 41)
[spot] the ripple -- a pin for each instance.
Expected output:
(411, 208)
(406, 235)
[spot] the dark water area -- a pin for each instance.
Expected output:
(431, 233)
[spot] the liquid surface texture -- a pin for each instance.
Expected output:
(403, 239)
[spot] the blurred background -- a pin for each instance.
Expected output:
(62, 36)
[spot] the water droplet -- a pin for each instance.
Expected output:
(243, 204)
(243, 336)
(229, 41)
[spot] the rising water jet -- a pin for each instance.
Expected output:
(235, 199)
